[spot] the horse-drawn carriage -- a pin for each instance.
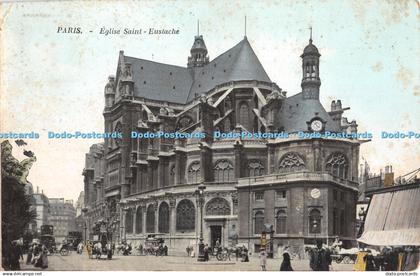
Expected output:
(155, 246)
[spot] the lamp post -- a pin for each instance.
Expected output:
(125, 209)
(315, 227)
(84, 211)
(200, 200)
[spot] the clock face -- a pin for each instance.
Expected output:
(316, 125)
(315, 193)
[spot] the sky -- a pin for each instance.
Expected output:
(54, 82)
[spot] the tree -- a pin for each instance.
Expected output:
(16, 212)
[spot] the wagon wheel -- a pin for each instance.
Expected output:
(347, 260)
(339, 259)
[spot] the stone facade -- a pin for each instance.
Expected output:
(148, 186)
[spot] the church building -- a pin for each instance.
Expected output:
(296, 189)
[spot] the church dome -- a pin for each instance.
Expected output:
(199, 44)
(310, 49)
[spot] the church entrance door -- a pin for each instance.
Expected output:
(215, 233)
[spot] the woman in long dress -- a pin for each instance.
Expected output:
(44, 257)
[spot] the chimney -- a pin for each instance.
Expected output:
(37, 189)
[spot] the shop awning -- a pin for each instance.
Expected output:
(393, 218)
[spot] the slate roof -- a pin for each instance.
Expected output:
(296, 111)
(164, 82)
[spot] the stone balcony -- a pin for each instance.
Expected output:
(295, 177)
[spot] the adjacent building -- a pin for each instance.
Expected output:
(40, 203)
(62, 217)
(297, 187)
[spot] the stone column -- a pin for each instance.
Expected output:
(238, 153)
(156, 208)
(172, 220)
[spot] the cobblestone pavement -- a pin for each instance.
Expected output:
(167, 263)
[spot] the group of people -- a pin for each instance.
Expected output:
(319, 258)
(392, 259)
(37, 255)
(96, 250)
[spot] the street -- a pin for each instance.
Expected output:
(167, 263)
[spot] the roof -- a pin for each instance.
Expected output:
(310, 49)
(296, 111)
(393, 218)
(164, 82)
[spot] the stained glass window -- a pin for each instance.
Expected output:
(129, 221)
(164, 218)
(218, 207)
(150, 219)
(185, 216)
(337, 165)
(139, 220)
(291, 162)
(223, 171)
(194, 175)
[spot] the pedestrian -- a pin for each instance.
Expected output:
(89, 249)
(206, 252)
(245, 257)
(29, 256)
(263, 259)
(286, 264)
(109, 250)
(370, 261)
(320, 258)
(44, 257)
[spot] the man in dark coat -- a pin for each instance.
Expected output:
(320, 259)
(286, 264)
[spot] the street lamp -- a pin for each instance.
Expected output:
(84, 211)
(200, 200)
(315, 226)
(125, 209)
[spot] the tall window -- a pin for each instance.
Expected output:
(163, 218)
(129, 221)
(255, 168)
(291, 162)
(244, 114)
(223, 171)
(185, 216)
(259, 195)
(315, 221)
(150, 219)
(335, 221)
(337, 165)
(194, 175)
(139, 220)
(259, 222)
(281, 220)
(218, 207)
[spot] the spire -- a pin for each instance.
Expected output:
(310, 70)
(198, 51)
(245, 26)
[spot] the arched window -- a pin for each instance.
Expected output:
(291, 162)
(194, 175)
(244, 115)
(337, 165)
(315, 221)
(163, 218)
(139, 220)
(150, 219)
(185, 216)
(223, 171)
(218, 207)
(281, 220)
(129, 221)
(259, 222)
(255, 168)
